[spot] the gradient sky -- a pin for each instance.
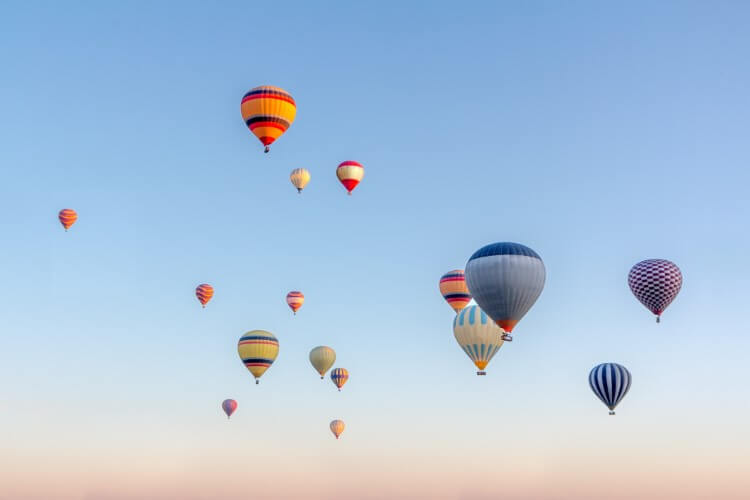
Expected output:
(596, 133)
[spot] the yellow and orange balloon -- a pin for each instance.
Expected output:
(268, 112)
(204, 292)
(67, 217)
(300, 177)
(294, 300)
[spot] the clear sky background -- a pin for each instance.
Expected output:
(596, 133)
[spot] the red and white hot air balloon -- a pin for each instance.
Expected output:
(204, 293)
(655, 283)
(294, 300)
(67, 217)
(350, 173)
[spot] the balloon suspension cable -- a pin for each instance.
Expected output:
(267, 149)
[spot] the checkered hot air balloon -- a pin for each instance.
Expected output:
(610, 382)
(268, 112)
(229, 406)
(339, 376)
(67, 217)
(350, 173)
(478, 336)
(454, 290)
(204, 292)
(655, 283)
(258, 350)
(294, 300)
(505, 279)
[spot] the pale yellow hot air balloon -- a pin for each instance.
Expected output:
(322, 359)
(300, 177)
(258, 350)
(337, 427)
(478, 336)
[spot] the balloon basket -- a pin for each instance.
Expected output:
(481, 373)
(507, 337)
(267, 149)
(658, 319)
(257, 382)
(611, 413)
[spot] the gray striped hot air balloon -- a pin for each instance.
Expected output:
(505, 279)
(610, 382)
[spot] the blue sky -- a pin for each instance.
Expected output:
(597, 134)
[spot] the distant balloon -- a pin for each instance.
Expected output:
(67, 217)
(350, 173)
(258, 350)
(229, 406)
(294, 300)
(337, 427)
(478, 336)
(505, 279)
(656, 283)
(610, 382)
(204, 293)
(300, 177)
(454, 290)
(339, 376)
(268, 112)
(322, 359)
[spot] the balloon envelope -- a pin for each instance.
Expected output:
(610, 382)
(454, 290)
(478, 336)
(204, 293)
(339, 376)
(299, 178)
(655, 283)
(229, 406)
(505, 279)
(294, 300)
(322, 359)
(268, 112)
(350, 173)
(67, 217)
(337, 427)
(258, 350)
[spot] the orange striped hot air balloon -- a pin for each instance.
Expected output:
(268, 112)
(295, 300)
(454, 290)
(67, 217)
(204, 293)
(350, 173)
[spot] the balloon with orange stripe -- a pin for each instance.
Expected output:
(67, 217)
(454, 290)
(350, 173)
(295, 300)
(268, 112)
(204, 293)
(258, 350)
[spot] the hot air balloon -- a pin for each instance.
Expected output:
(339, 377)
(337, 427)
(610, 382)
(204, 293)
(300, 177)
(505, 279)
(258, 350)
(350, 173)
(478, 336)
(322, 359)
(67, 217)
(268, 111)
(454, 290)
(294, 300)
(656, 283)
(229, 406)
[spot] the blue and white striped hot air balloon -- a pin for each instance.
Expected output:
(478, 336)
(505, 279)
(610, 382)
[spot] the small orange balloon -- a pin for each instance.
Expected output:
(67, 217)
(204, 293)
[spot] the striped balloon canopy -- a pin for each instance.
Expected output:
(67, 217)
(204, 292)
(478, 336)
(322, 358)
(299, 178)
(229, 406)
(350, 173)
(339, 376)
(294, 300)
(505, 279)
(655, 283)
(454, 290)
(258, 350)
(610, 382)
(268, 112)
(337, 427)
